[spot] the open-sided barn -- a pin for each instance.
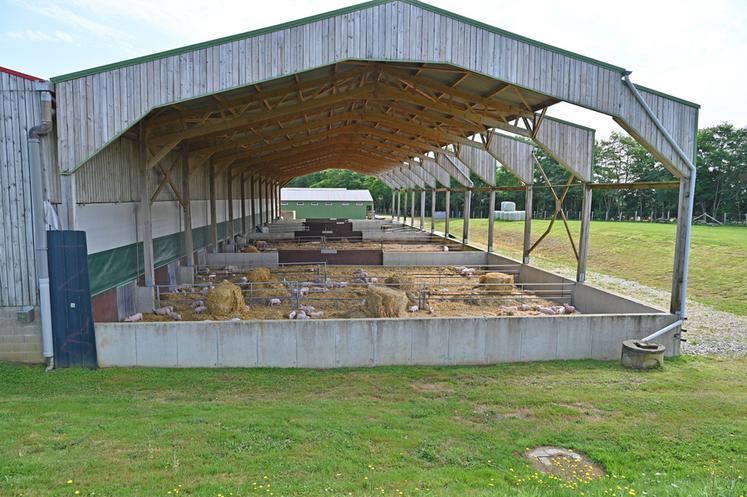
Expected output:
(164, 158)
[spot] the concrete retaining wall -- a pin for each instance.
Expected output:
(587, 299)
(371, 342)
(593, 300)
(20, 342)
(265, 259)
(435, 258)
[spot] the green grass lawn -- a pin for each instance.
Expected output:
(642, 252)
(366, 432)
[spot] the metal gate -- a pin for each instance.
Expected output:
(70, 295)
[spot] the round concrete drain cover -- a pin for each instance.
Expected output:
(564, 463)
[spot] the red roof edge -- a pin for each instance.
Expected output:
(20, 74)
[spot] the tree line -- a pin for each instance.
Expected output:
(720, 195)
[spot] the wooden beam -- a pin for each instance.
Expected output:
(487, 103)
(239, 105)
(269, 116)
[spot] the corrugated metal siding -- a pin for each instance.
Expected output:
(19, 111)
(96, 108)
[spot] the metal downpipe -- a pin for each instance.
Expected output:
(40, 232)
(690, 204)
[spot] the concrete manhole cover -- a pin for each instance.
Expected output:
(564, 463)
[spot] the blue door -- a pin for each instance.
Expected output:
(70, 295)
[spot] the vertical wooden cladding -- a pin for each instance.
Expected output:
(113, 175)
(20, 110)
(678, 117)
(436, 171)
(513, 154)
(428, 179)
(479, 161)
(412, 178)
(572, 146)
(96, 108)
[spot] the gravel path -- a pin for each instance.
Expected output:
(709, 331)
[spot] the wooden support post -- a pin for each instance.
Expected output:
(213, 211)
(404, 209)
(680, 246)
(267, 202)
(422, 210)
(433, 211)
(146, 221)
(412, 208)
(467, 207)
(391, 209)
(260, 205)
(278, 208)
(242, 193)
(583, 244)
(189, 246)
(272, 201)
(529, 193)
(231, 232)
(399, 206)
(447, 209)
(69, 201)
(252, 205)
(491, 220)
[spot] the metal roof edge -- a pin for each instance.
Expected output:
(318, 17)
(569, 123)
(20, 74)
(665, 95)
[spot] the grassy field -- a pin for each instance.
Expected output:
(388, 431)
(642, 252)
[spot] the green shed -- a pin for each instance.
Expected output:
(310, 203)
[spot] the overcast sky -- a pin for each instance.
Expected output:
(693, 49)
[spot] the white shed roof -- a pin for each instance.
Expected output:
(325, 195)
